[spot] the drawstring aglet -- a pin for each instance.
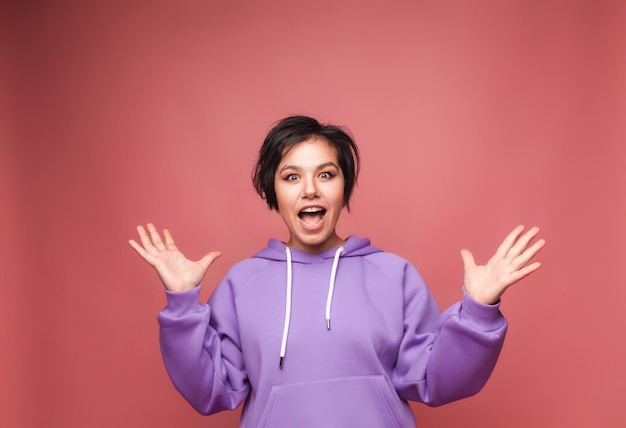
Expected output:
(328, 324)
(280, 364)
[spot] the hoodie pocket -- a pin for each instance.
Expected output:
(361, 401)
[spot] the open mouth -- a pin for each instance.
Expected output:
(312, 215)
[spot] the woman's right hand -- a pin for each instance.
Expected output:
(176, 272)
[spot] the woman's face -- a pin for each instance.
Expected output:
(309, 191)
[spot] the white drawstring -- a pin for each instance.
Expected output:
(329, 300)
(331, 286)
(283, 345)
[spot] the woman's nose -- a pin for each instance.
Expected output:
(310, 188)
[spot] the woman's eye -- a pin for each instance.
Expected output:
(326, 175)
(291, 177)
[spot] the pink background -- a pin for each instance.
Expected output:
(472, 116)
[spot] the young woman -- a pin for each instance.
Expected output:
(326, 331)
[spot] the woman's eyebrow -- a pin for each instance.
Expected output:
(327, 164)
(297, 168)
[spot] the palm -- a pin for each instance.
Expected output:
(486, 283)
(176, 271)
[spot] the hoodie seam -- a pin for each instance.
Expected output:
(252, 278)
(404, 265)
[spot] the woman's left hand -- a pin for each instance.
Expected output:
(486, 284)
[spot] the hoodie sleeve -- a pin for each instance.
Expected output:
(449, 356)
(202, 355)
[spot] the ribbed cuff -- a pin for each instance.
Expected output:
(182, 302)
(483, 317)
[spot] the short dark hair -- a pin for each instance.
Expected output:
(292, 130)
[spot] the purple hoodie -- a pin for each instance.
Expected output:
(387, 342)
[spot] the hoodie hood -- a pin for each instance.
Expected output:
(354, 246)
(280, 252)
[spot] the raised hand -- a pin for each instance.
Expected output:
(176, 272)
(486, 284)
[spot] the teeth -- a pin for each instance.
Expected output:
(312, 210)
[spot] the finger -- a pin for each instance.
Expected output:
(208, 259)
(468, 259)
(509, 241)
(169, 240)
(137, 247)
(140, 250)
(156, 238)
(530, 252)
(523, 242)
(523, 272)
(145, 239)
